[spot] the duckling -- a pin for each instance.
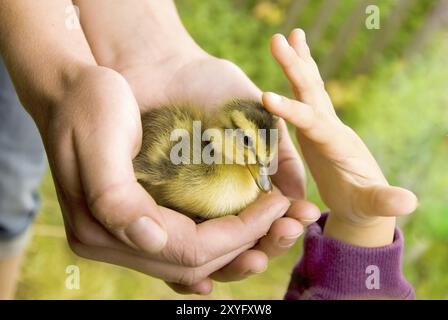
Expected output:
(225, 169)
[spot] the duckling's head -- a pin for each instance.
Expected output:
(255, 137)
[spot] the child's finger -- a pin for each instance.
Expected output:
(297, 40)
(295, 68)
(299, 114)
(387, 201)
(312, 123)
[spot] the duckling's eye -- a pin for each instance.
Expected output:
(247, 141)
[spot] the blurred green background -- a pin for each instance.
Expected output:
(389, 84)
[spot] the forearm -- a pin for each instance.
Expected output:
(41, 53)
(121, 33)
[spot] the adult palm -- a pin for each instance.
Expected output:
(208, 82)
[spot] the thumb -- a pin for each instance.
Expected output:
(104, 150)
(387, 201)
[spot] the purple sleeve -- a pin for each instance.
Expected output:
(331, 269)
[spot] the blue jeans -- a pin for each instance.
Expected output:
(22, 165)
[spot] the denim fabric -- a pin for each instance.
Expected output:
(22, 164)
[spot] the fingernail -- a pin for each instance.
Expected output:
(309, 220)
(146, 234)
(286, 242)
(260, 271)
(253, 272)
(273, 97)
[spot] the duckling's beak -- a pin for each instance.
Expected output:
(260, 173)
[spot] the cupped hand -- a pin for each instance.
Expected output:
(349, 180)
(91, 136)
(209, 82)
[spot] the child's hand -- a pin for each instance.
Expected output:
(362, 204)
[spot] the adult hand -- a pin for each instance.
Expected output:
(91, 137)
(90, 124)
(209, 82)
(165, 66)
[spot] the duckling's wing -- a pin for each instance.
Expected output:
(153, 164)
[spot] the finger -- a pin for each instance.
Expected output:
(290, 177)
(248, 263)
(78, 219)
(295, 68)
(386, 201)
(303, 211)
(169, 272)
(105, 148)
(203, 287)
(297, 40)
(231, 232)
(300, 211)
(282, 236)
(301, 115)
(285, 231)
(81, 224)
(313, 123)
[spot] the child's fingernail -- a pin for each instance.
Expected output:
(302, 35)
(273, 97)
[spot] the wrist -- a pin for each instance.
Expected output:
(142, 33)
(154, 50)
(40, 51)
(40, 93)
(45, 97)
(375, 233)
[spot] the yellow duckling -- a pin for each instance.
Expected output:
(207, 164)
